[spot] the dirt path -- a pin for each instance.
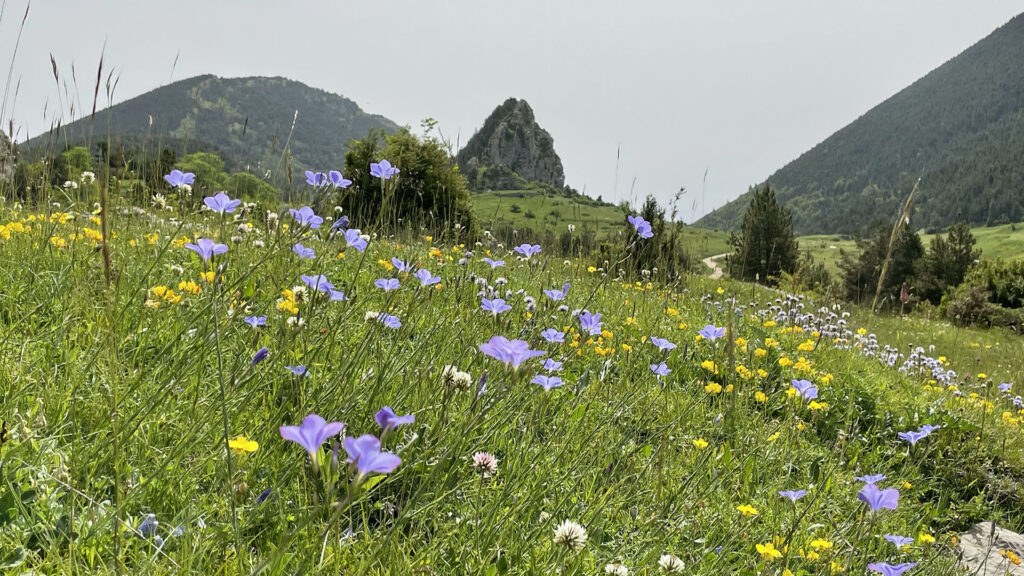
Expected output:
(716, 270)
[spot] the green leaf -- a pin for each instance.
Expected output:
(373, 481)
(14, 558)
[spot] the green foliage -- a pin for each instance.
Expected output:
(429, 191)
(860, 274)
(766, 247)
(70, 165)
(960, 129)
(251, 188)
(947, 262)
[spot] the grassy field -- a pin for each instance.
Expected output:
(145, 428)
(525, 209)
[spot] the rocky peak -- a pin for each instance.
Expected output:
(511, 137)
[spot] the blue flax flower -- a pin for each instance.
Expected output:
(553, 336)
(558, 295)
(643, 227)
(318, 282)
(177, 178)
(661, 369)
(303, 252)
(805, 389)
(312, 433)
(400, 265)
(712, 332)
(511, 352)
(547, 382)
(496, 306)
(494, 263)
(353, 240)
(590, 323)
(662, 343)
(306, 217)
(793, 495)
(256, 321)
(207, 248)
(426, 278)
(365, 453)
(316, 178)
(899, 541)
(528, 250)
(383, 169)
(886, 569)
(387, 419)
(221, 203)
(338, 180)
(387, 284)
(878, 499)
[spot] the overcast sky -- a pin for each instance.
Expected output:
(732, 88)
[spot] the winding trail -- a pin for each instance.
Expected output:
(716, 270)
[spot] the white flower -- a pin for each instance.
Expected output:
(456, 379)
(671, 563)
(258, 244)
(485, 463)
(301, 293)
(370, 316)
(186, 188)
(159, 201)
(296, 322)
(544, 517)
(616, 569)
(177, 269)
(87, 177)
(572, 228)
(571, 535)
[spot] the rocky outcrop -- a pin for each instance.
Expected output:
(511, 138)
(985, 547)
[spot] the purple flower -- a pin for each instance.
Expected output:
(494, 263)
(318, 283)
(496, 306)
(256, 321)
(353, 240)
(552, 365)
(387, 284)
(553, 336)
(207, 248)
(661, 369)
(712, 332)
(264, 495)
(400, 266)
(528, 250)
(338, 296)
(877, 499)
(387, 419)
(662, 343)
(805, 389)
(558, 295)
(899, 541)
(365, 453)
(590, 323)
(260, 356)
(299, 370)
(512, 352)
(177, 178)
(643, 227)
(871, 479)
(390, 321)
(338, 180)
(793, 495)
(147, 528)
(929, 428)
(221, 203)
(886, 569)
(340, 223)
(1005, 387)
(316, 178)
(306, 217)
(912, 437)
(547, 382)
(313, 432)
(383, 169)
(303, 252)
(426, 278)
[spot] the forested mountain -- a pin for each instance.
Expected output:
(960, 129)
(249, 120)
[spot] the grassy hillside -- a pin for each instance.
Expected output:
(1003, 242)
(526, 209)
(144, 427)
(960, 129)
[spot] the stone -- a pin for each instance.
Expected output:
(511, 138)
(982, 546)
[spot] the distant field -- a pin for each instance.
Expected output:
(826, 248)
(1006, 241)
(526, 209)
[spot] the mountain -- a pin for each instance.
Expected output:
(511, 140)
(960, 129)
(247, 119)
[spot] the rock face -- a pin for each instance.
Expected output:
(982, 547)
(511, 137)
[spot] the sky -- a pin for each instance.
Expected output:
(642, 96)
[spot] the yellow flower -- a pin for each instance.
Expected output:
(152, 238)
(768, 551)
(784, 362)
(627, 347)
(836, 567)
(747, 510)
(815, 405)
(760, 397)
(925, 538)
(821, 544)
(428, 238)
(591, 269)
(58, 242)
(741, 342)
(769, 324)
(982, 375)
(787, 572)
(700, 443)
(208, 276)
(709, 366)
(242, 445)
(720, 290)
(773, 437)
(713, 387)
(806, 346)
(189, 286)
(671, 311)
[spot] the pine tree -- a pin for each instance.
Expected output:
(766, 247)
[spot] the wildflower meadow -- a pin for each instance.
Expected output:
(221, 387)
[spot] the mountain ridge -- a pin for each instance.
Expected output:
(960, 128)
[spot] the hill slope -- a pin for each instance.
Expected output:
(960, 128)
(248, 119)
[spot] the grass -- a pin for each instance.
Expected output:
(120, 397)
(527, 209)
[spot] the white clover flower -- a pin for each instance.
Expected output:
(544, 517)
(485, 463)
(177, 269)
(671, 563)
(159, 201)
(296, 322)
(616, 569)
(87, 177)
(258, 244)
(570, 535)
(370, 316)
(301, 293)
